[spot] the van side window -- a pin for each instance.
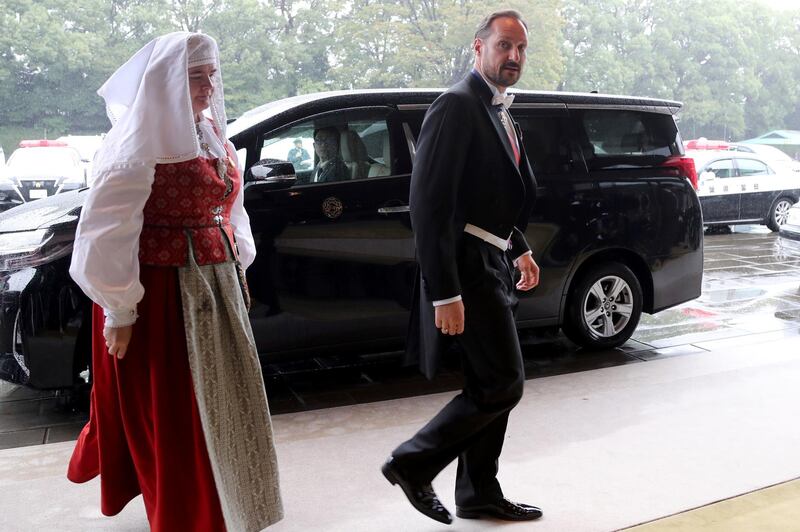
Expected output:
(546, 141)
(619, 138)
(339, 147)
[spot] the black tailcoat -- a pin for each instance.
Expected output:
(464, 172)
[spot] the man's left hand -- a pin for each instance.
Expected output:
(530, 272)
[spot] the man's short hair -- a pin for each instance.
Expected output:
(485, 26)
(330, 129)
(298, 141)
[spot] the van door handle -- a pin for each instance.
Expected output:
(394, 210)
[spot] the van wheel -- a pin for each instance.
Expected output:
(779, 213)
(603, 307)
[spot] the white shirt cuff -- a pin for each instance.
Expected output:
(523, 255)
(120, 318)
(446, 301)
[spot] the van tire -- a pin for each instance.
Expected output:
(609, 285)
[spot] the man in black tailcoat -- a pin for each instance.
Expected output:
(472, 191)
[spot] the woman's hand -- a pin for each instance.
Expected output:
(117, 340)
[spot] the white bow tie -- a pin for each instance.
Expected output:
(504, 99)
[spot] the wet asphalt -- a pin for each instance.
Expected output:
(751, 293)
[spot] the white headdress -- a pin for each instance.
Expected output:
(149, 105)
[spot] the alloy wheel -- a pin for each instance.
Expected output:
(608, 306)
(782, 212)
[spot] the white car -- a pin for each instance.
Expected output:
(86, 145)
(777, 158)
(41, 168)
(742, 188)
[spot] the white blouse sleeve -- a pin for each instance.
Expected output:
(105, 258)
(241, 222)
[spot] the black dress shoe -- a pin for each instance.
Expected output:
(502, 509)
(421, 496)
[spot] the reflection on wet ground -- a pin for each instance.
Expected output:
(751, 286)
(751, 294)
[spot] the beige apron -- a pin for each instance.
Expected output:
(230, 395)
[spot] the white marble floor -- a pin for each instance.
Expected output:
(598, 451)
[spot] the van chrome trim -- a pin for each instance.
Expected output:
(516, 105)
(622, 107)
(412, 144)
(413, 106)
(528, 105)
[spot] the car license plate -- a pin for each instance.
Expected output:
(38, 194)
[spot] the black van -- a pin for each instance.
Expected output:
(617, 230)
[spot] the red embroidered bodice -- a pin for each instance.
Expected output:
(188, 197)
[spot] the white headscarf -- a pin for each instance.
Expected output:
(149, 104)
(150, 107)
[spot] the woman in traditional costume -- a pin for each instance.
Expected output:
(178, 407)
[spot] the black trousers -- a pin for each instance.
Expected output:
(472, 426)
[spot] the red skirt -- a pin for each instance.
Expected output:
(144, 433)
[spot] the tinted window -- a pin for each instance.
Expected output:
(618, 138)
(749, 167)
(337, 147)
(722, 168)
(546, 138)
(295, 145)
(547, 143)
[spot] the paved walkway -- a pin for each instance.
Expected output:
(772, 509)
(598, 451)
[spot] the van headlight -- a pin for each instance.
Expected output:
(26, 249)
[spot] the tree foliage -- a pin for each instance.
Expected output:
(734, 63)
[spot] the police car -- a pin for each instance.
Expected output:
(38, 169)
(743, 188)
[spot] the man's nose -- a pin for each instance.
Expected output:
(514, 55)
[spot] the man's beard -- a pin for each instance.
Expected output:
(512, 76)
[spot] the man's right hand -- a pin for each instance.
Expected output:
(450, 318)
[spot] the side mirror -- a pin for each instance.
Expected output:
(707, 176)
(272, 174)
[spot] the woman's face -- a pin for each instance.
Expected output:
(200, 87)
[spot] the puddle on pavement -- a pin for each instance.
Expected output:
(731, 294)
(738, 272)
(709, 265)
(686, 333)
(753, 306)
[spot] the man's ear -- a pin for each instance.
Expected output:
(477, 44)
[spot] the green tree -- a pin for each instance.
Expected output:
(733, 63)
(428, 43)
